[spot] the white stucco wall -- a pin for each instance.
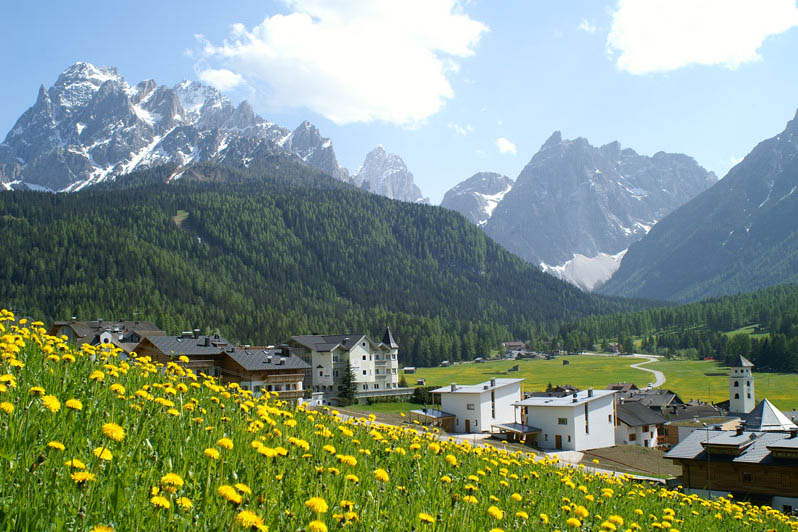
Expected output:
(601, 417)
(623, 431)
(481, 418)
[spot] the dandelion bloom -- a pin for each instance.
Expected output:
(581, 511)
(495, 512)
(97, 375)
(7, 407)
(618, 520)
(522, 515)
(446, 478)
(381, 475)
(160, 502)
(248, 519)
(51, 403)
(113, 431)
(496, 530)
(317, 526)
(225, 443)
(213, 454)
(117, 388)
(36, 390)
(229, 493)
(470, 498)
(451, 460)
(183, 358)
(172, 479)
(74, 404)
(573, 522)
(56, 445)
(184, 503)
(606, 525)
(317, 504)
(82, 476)
(102, 528)
(329, 448)
(516, 497)
(544, 518)
(75, 463)
(426, 518)
(243, 488)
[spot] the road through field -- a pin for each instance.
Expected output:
(659, 377)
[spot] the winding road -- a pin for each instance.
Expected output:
(659, 377)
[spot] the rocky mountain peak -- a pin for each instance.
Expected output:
(553, 140)
(387, 174)
(477, 197)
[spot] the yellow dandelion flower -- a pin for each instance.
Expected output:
(317, 526)
(225, 443)
(118, 388)
(75, 463)
(381, 475)
(51, 403)
(183, 358)
(496, 530)
(522, 515)
(213, 454)
(160, 502)
(516, 497)
(426, 518)
(36, 390)
(97, 375)
(495, 512)
(7, 407)
(581, 511)
(229, 493)
(352, 478)
(172, 479)
(243, 488)
(447, 479)
(248, 519)
(317, 504)
(113, 431)
(616, 520)
(573, 522)
(102, 528)
(56, 445)
(606, 525)
(81, 477)
(103, 454)
(74, 404)
(471, 499)
(184, 503)
(451, 460)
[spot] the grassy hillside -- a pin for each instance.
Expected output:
(94, 443)
(268, 253)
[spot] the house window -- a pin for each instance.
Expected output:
(335, 358)
(365, 386)
(749, 395)
(736, 384)
(748, 383)
(376, 386)
(645, 428)
(737, 396)
(632, 437)
(363, 344)
(364, 357)
(470, 406)
(336, 373)
(321, 373)
(609, 418)
(569, 438)
(546, 437)
(748, 477)
(364, 372)
(562, 420)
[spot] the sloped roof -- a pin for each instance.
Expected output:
(635, 415)
(766, 417)
(741, 362)
(567, 400)
(652, 398)
(177, 345)
(265, 359)
(328, 342)
(477, 388)
(754, 445)
(388, 340)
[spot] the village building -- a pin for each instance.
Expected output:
(261, 370)
(638, 425)
(479, 408)
(375, 365)
(653, 398)
(742, 398)
(125, 334)
(205, 353)
(580, 421)
(514, 346)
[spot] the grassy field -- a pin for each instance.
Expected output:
(581, 371)
(688, 378)
(749, 330)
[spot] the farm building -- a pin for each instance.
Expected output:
(478, 407)
(580, 421)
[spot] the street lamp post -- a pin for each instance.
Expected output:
(709, 461)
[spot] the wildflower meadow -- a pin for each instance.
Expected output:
(94, 442)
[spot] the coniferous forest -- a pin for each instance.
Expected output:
(263, 253)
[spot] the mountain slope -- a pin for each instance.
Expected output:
(386, 174)
(91, 125)
(740, 235)
(477, 197)
(576, 199)
(266, 254)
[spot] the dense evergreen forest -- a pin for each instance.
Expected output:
(697, 330)
(263, 253)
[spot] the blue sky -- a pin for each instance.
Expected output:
(438, 81)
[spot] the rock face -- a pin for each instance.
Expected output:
(91, 125)
(477, 197)
(574, 201)
(738, 236)
(386, 174)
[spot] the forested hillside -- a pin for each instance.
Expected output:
(264, 253)
(698, 329)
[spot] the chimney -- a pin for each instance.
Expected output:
(454, 387)
(793, 434)
(207, 342)
(590, 392)
(575, 398)
(196, 333)
(493, 382)
(739, 431)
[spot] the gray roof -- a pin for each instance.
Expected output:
(477, 388)
(568, 400)
(178, 345)
(388, 340)
(741, 362)
(766, 417)
(652, 398)
(692, 411)
(325, 343)
(431, 412)
(518, 428)
(265, 359)
(90, 328)
(635, 415)
(754, 446)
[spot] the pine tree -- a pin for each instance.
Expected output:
(348, 386)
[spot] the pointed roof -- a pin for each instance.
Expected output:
(388, 340)
(766, 417)
(742, 362)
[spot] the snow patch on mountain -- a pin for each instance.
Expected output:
(588, 273)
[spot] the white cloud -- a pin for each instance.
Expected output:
(587, 26)
(662, 35)
(463, 130)
(506, 146)
(221, 78)
(354, 60)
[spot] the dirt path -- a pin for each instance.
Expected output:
(659, 377)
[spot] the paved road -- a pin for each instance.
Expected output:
(659, 377)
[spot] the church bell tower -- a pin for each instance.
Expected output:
(741, 387)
